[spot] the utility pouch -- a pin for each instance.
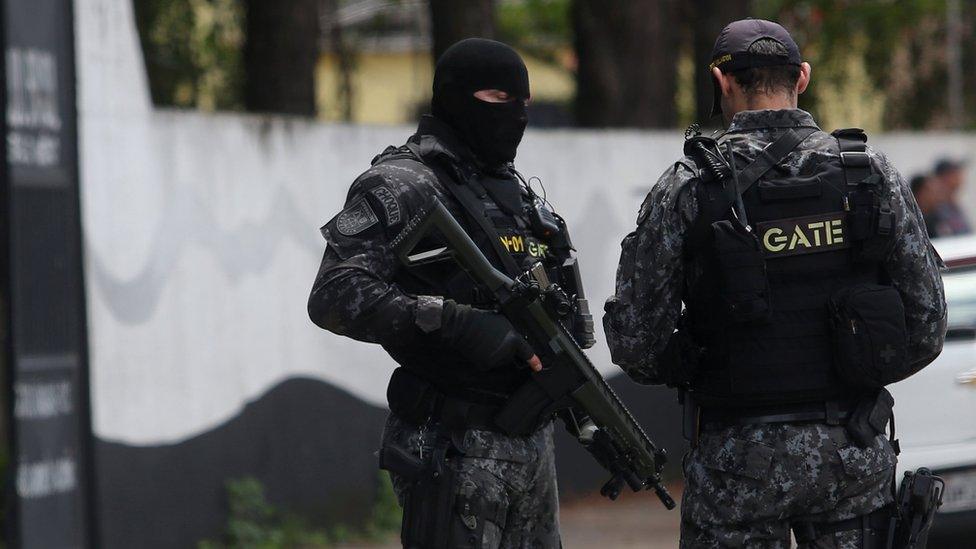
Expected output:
(428, 508)
(744, 287)
(869, 335)
(526, 410)
(871, 418)
(870, 221)
(918, 498)
(411, 397)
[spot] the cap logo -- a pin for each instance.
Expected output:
(720, 60)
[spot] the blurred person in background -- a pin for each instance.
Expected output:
(459, 359)
(760, 233)
(949, 219)
(928, 196)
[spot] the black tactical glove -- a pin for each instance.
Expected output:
(484, 338)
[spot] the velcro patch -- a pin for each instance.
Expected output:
(356, 218)
(390, 204)
(804, 235)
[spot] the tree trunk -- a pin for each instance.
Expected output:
(627, 70)
(708, 19)
(280, 52)
(452, 21)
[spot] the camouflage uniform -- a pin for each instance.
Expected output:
(363, 292)
(515, 477)
(745, 483)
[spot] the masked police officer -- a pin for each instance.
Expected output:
(459, 359)
(808, 282)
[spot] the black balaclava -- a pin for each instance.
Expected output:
(492, 130)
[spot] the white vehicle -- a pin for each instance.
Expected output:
(935, 410)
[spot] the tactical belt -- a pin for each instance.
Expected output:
(418, 401)
(831, 412)
(456, 413)
(873, 527)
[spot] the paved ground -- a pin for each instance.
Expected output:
(634, 520)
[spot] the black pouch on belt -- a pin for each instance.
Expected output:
(411, 397)
(871, 418)
(869, 334)
(744, 287)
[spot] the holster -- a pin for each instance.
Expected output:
(918, 498)
(904, 524)
(428, 508)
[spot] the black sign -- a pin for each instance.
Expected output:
(42, 242)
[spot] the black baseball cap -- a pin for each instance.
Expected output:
(731, 51)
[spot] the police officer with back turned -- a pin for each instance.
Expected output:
(461, 480)
(808, 284)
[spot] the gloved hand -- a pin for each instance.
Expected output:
(484, 338)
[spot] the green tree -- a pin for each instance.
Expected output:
(452, 21)
(706, 18)
(192, 51)
(870, 51)
(280, 53)
(627, 68)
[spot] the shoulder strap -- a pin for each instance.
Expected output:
(773, 154)
(852, 143)
(475, 210)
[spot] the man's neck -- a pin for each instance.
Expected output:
(761, 102)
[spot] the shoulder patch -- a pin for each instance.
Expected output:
(356, 218)
(391, 207)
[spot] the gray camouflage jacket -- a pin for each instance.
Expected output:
(363, 292)
(654, 273)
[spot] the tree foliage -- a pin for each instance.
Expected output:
(896, 48)
(192, 50)
(280, 53)
(452, 21)
(626, 53)
(881, 64)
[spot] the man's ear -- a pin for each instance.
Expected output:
(804, 80)
(724, 81)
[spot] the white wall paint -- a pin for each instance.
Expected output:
(201, 236)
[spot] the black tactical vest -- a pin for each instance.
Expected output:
(813, 242)
(509, 217)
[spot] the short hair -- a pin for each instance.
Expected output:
(771, 79)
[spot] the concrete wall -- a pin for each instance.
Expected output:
(202, 235)
(201, 243)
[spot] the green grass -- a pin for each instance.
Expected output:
(253, 523)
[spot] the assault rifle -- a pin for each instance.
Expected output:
(568, 385)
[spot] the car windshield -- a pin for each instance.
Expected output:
(960, 290)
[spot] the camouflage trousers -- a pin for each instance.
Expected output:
(745, 485)
(515, 476)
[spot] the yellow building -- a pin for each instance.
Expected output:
(392, 87)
